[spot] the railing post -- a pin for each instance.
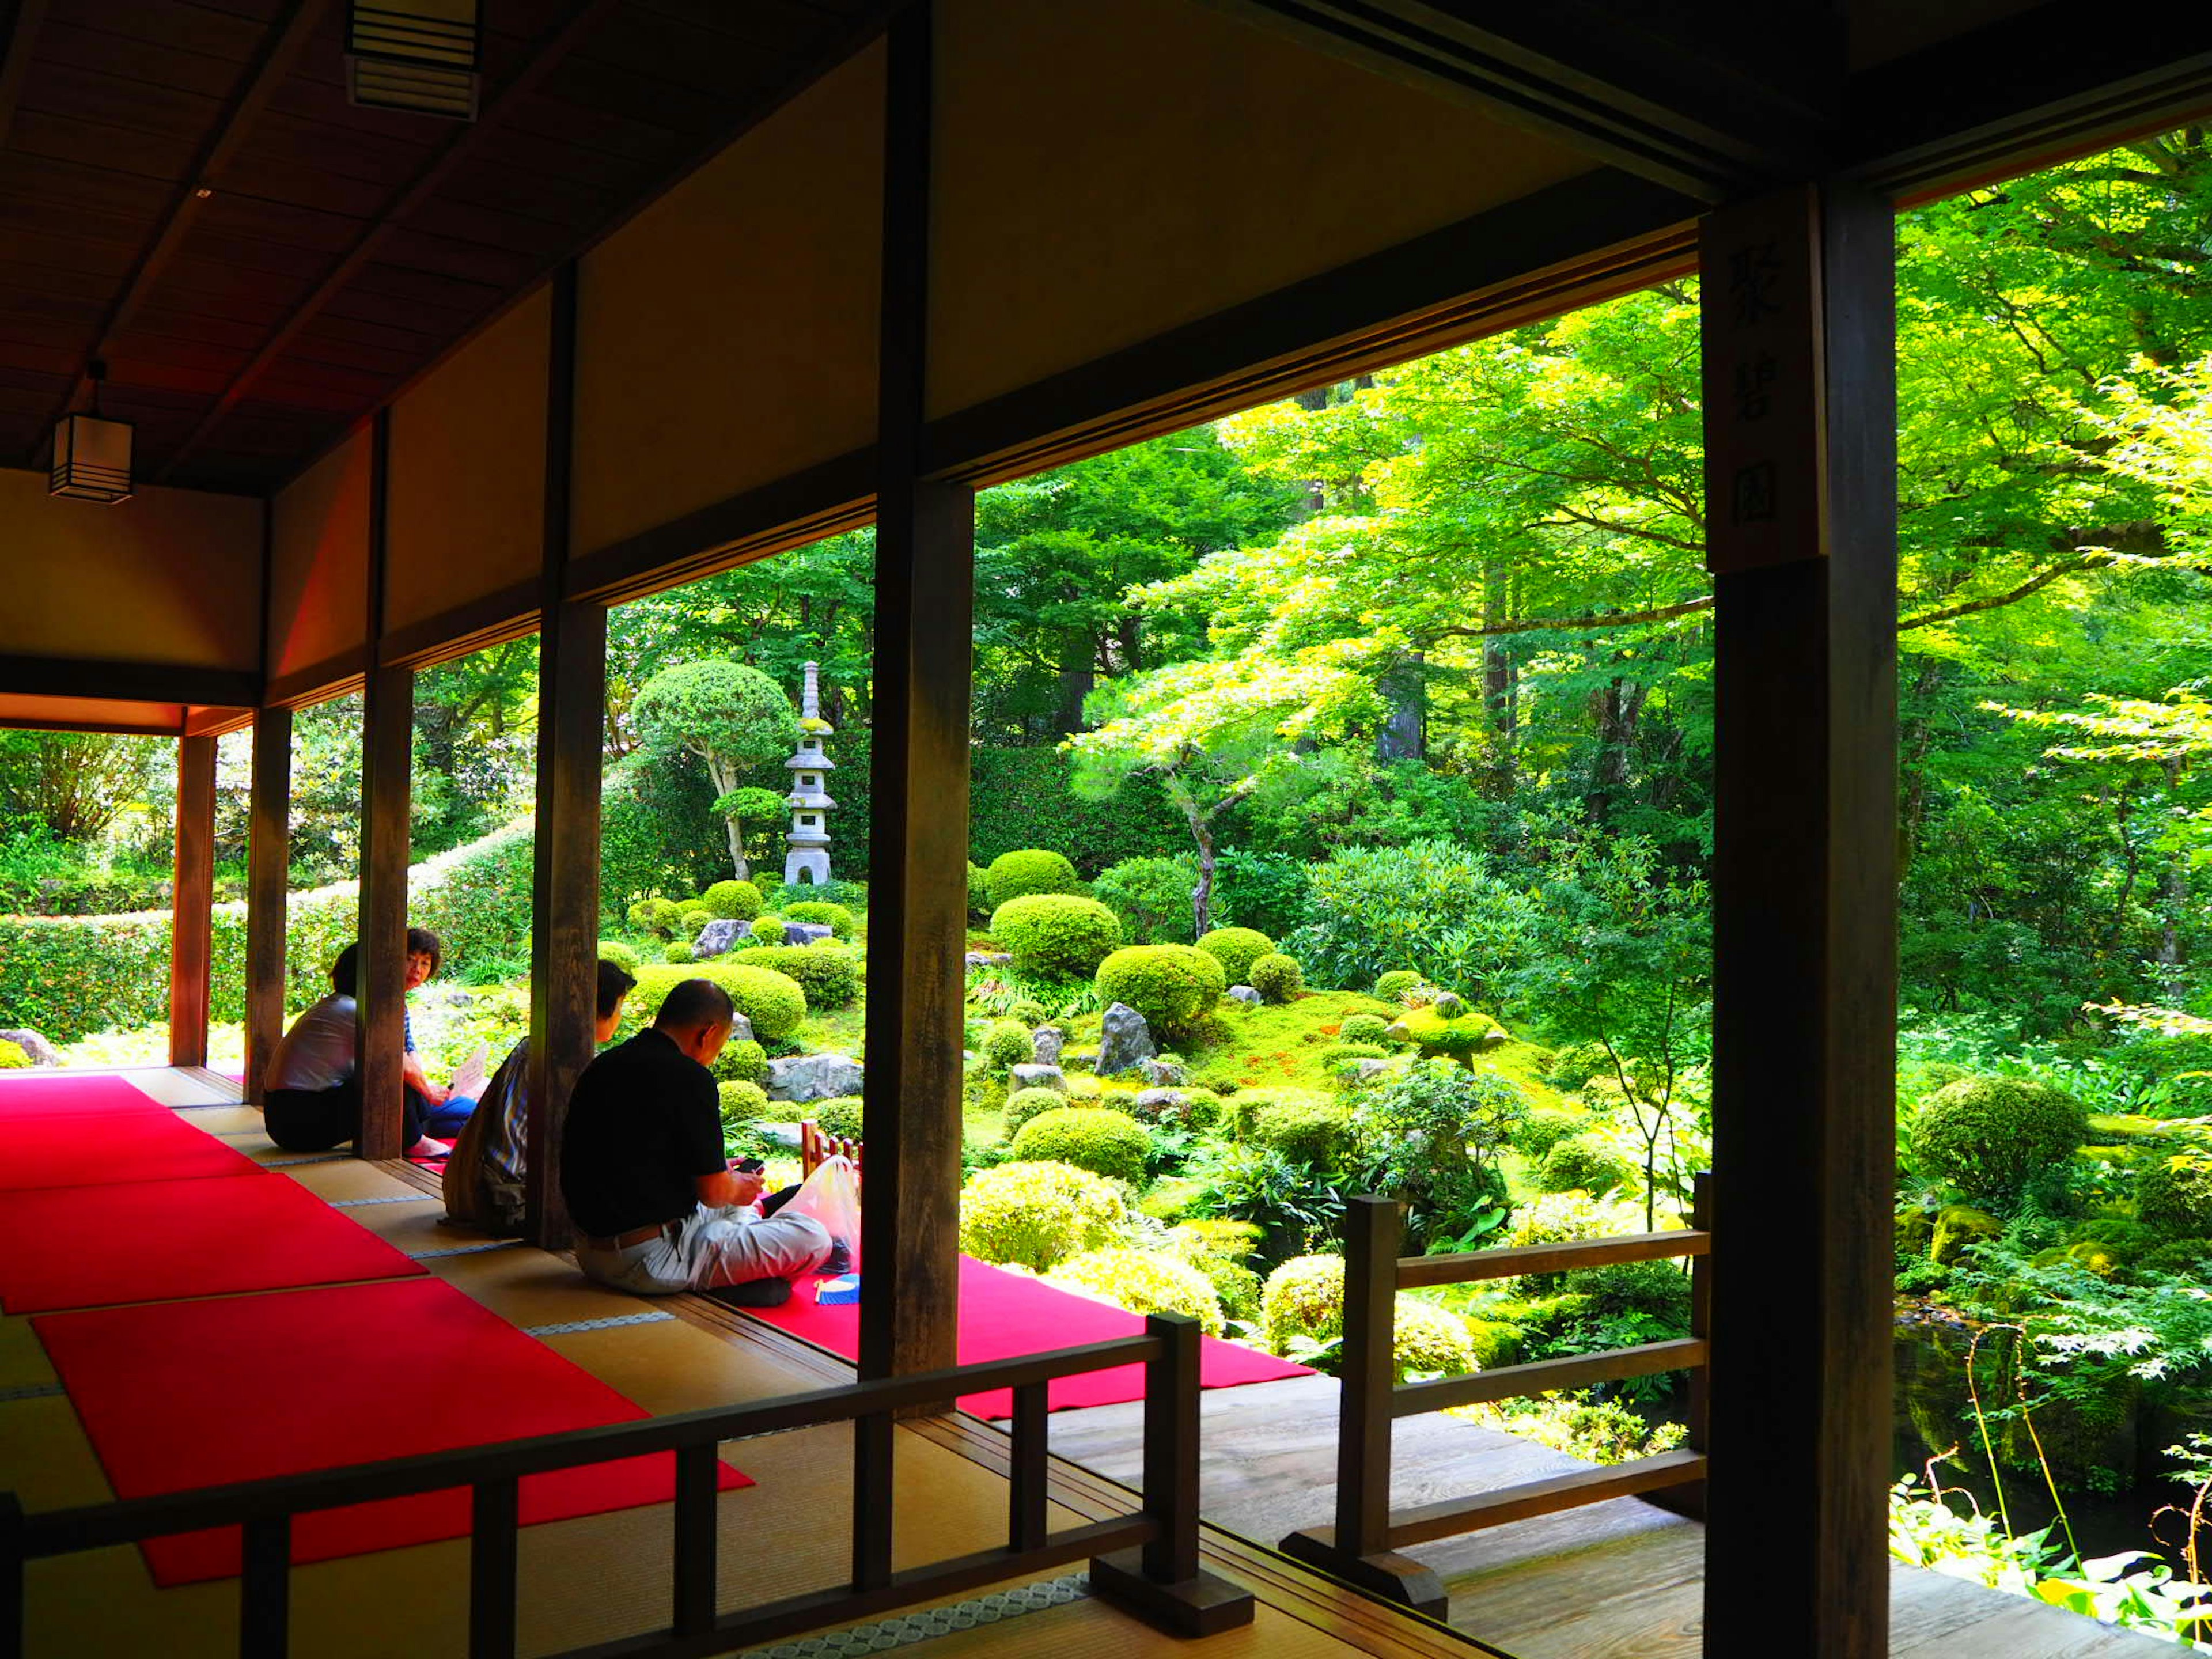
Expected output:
(1026, 1469)
(1697, 1415)
(697, 1540)
(1162, 1581)
(496, 1512)
(13, 1610)
(874, 1484)
(264, 1589)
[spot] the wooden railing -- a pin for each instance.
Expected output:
(1147, 1561)
(1361, 1546)
(815, 1149)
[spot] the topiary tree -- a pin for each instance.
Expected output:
(830, 973)
(743, 1103)
(732, 901)
(731, 717)
(691, 917)
(839, 1116)
(1106, 1143)
(678, 950)
(979, 891)
(1363, 1028)
(1055, 935)
(1026, 871)
(1023, 1104)
(768, 930)
(2174, 1195)
(750, 811)
(1151, 897)
(1143, 1284)
(1277, 977)
(1007, 1044)
(1545, 1127)
(1580, 1163)
(1236, 949)
(1038, 1214)
(1392, 986)
(835, 917)
(1988, 1136)
(1173, 986)
(775, 1003)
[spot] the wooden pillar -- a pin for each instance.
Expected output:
(268, 864)
(918, 828)
(1799, 412)
(388, 752)
(572, 691)
(191, 938)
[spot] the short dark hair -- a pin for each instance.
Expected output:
(344, 971)
(614, 985)
(695, 1002)
(421, 942)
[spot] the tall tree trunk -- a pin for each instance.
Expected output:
(1617, 707)
(724, 777)
(2174, 898)
(1078, 674)
(1501, 699)
(1918, 738)
(1201, 831)
(1405, 734)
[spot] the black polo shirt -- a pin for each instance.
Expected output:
(644, 1122)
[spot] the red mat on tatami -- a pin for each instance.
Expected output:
(182, 1395)
(80, 1246)
(102, 1148)
(1004, 1316)
(45, 1093)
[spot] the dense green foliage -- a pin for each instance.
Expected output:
(1172, 986)
(1990, 1137)
(1236, 949)
(1027, 871)
(1037, 1215)
(1055, 935)
(1111, 1144)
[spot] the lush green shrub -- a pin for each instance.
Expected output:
(768, 930)
(1028, 1011)
(746, 1061)
(1105, 1142)
(678, 950)
(1544, 1128)
(1031, 870)
(1216, 1237)
(1173, 986)
(1143, 1284)
(1435, 1033)
(692, 915)
(1007, 1043)
(1236, 1284)
(1038, 1214)
(1277, 977)
(1989, 1135)
(2174, 1196)
(1427, 1338)
(1023, 1104)
(1392, 986)
(743, 1102)
(1433, 906)
(835, 917)
(775, 1003)
(1563, 1218)
(12, 1057)
(1304, 1297)
(653, 915)
(1152, 896)
(1236, 949)
(732, 901)
(830, 973)
(1363, 1028)
(840, 1115)
(614, 951)
(1657, 1289)
(1315, 1130)
(1581, 1163)
(979, 891)
(1055, 934)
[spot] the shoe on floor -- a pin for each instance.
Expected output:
(754, 1293)
(838, 1262)
(427, 1147)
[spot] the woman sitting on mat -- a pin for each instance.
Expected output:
(484, 1177)
(311, 1099)
(447, 1111)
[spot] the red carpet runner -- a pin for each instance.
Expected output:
(40, 1093)
(70, 1148)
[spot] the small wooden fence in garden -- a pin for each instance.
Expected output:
(1360, 1547)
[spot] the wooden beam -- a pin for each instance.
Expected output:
(1547, 1495)
(572, 690)
(268, 866)
(127, 682)
(495, 618)
(319, 682)
(192, 898)
(918, 824)
(287, 36)
(1800, 413)
(387, 753)
(16, 43)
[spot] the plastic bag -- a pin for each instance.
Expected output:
(832, 1196)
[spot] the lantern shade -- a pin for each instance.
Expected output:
(91, 459)
(419, 56)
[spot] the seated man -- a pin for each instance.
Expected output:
(657, 1207)
(484, 1177)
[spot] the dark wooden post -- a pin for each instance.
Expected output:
(387, 750)
(268, 863)
(1800, 413)
(1364, 1421)
(918, 827)
(572, 692)
(12, 1608)
(192, 937)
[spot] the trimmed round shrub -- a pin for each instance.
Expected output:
(2174, 1196)
(768, 930)
(742, 1102)
(1236, 949)
(693, 915)
(775, 1003)
(1217, 1237)
(1236, 1284)
(1029, 870)
(1579, 1163)
(1392, 986)
(1545, 1127)
(1363, 1028)
(1989, 1135)
(830, 973)
(838, 1115)
(1037, 1215)
(12, 1057)
(1315, 1130)
(653, 915)
(1173, 986)
(1468, 1034)
(835, 917)
(1577, 1063)
(1277, 977)
(1029, 1014)
(979, 891)
(1142, 1283)
(1055, 934)
(732, 901)
(677, 951)
(745, 1060)
(1428, 1339)
(1023, 1104)
(1152, 896)
(1105, 1142)
(1007, 1043)
(1304, 1297)
(614, 951)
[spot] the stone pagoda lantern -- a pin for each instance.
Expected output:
(808, 860)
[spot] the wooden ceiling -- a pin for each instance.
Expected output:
(186, 193)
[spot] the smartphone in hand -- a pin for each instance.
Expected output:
(750, 1165)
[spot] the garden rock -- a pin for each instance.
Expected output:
(36, 1048)
(804, 933)
(802, 1078)
(716, 938)
(990, 958)
(1366, 1069)
(1162, 1105)
(1124, 1039)
(1164, 1073)
(1050, 1040)
(1244, 994)
(741, 1029)
(1037, 1077)
(783, 1134)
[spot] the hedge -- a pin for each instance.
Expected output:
(830, 973)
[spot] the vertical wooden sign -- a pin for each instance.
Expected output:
(1764, 384)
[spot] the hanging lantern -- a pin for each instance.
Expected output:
(416, 56)
(91, 455)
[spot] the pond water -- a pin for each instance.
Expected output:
(2120, 1451)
